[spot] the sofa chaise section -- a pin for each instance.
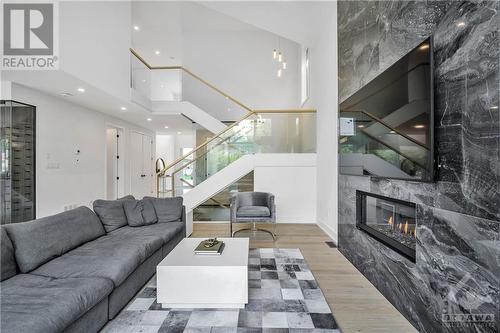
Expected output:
(68, 273)
(32, 303)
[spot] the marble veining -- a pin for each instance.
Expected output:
(458, 217)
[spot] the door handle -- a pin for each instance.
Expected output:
(143, 175)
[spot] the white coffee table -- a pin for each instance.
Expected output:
(187, 280)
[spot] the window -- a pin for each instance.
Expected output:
(305, 75)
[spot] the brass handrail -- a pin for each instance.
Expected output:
(187, 71)
(388, 126)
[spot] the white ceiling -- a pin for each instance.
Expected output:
(162, 23)
(159, 25)
(96, 99)
(300, 21)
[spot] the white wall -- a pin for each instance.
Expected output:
(237, 58)
(294, 188)
(323, 62)
(94, 41)
(169, 146)
(165, 146)
(61, 129)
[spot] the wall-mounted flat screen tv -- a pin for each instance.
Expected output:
(386, 127)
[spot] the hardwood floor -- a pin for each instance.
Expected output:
(357, 305)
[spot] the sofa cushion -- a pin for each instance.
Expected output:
(166, 231)
(32, 303)
(139, 212)
(167, 209)
(7, 260)
(41, 240)
(111, 212)
(113, 256)
(253, 211)
(149, 213)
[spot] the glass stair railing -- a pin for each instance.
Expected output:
(374, 137)
(267, 131)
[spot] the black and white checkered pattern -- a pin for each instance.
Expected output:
(283, 297)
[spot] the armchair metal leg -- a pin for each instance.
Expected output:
(254, 229)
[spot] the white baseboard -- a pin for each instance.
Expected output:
(329, 231)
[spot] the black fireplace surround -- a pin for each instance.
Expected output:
(390, 221)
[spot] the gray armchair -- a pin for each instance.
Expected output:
(253, 207)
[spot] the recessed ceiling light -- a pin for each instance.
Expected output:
(166, 127)
(361, 126)
(157, 52)
(424, 47)
(419, 126)
(461, 24)
(179, 132)
(149, 119)
(136, 28)
(67, 94)
(123, 108)
(392, 132)
(82, 90)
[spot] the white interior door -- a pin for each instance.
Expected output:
(136, 165)
(147, 165)
(111, 163)
(142, 173)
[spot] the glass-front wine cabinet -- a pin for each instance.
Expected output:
(17, 169)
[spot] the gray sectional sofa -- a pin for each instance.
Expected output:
(74, 271)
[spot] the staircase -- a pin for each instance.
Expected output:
(259, 139)
(211, 172)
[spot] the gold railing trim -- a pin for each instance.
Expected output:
(205, 82)
(388, 126)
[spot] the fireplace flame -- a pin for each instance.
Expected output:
(406, 227)
(390, 221)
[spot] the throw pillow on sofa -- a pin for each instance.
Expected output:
(111, 212)
(139, 212)
(167, 209)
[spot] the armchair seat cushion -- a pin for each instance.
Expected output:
(253, 211)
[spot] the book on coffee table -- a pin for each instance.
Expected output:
(213, 250)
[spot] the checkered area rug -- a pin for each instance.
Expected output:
(283, 297)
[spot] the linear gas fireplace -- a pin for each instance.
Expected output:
(390, 221)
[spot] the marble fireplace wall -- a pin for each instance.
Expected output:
(457, 267)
